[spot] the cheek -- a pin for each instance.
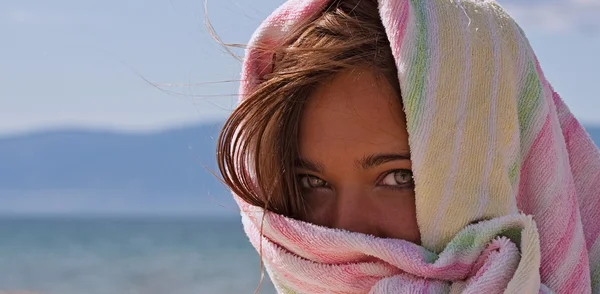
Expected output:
(398, 217)
(391, 214)
(320, 208)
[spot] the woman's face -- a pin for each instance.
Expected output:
(354, 167)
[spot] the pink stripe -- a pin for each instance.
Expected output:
(576, 139)
(394, 14)
(257, 63)
(554, 251)
(579, 281)
(524, 201)
(590, 204)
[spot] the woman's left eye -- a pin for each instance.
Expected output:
(402, 177)
(312, 182)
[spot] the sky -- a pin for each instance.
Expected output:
(147, 65)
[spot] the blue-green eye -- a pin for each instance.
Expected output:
(401, 177)
(311, 182)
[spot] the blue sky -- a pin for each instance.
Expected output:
(68, 63)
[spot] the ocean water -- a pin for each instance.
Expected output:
(127, 256)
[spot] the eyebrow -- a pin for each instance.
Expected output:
(374, 160)
(367, 162)
(309, 165)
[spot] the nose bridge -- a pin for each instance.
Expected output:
(354, 212)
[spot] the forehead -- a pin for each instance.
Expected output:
(357, 112)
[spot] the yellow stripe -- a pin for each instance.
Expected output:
(506, 122)
(466, 192)
(431, 187)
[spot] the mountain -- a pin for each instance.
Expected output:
(595, 134)
(88, 172)
(74, 171)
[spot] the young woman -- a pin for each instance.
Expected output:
(404, 146)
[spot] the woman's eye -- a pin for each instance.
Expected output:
(311, 182)
(398, 178)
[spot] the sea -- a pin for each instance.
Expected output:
(118, 255)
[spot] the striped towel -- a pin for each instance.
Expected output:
(491, 143)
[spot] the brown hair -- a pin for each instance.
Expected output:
(258, 146)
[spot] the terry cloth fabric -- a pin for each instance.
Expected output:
(490, 140)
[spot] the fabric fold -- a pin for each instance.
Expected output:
(492, 255)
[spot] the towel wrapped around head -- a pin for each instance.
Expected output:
(507, 182)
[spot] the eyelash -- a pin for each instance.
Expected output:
(399, 187)
(383, 176)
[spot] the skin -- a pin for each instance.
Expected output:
(354, 166)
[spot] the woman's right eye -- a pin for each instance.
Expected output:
(312, 182)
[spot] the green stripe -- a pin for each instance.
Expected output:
(595, 276)
(413, 99)
(514, 172)
(530, 98)
(282, 287)
(475, 238)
